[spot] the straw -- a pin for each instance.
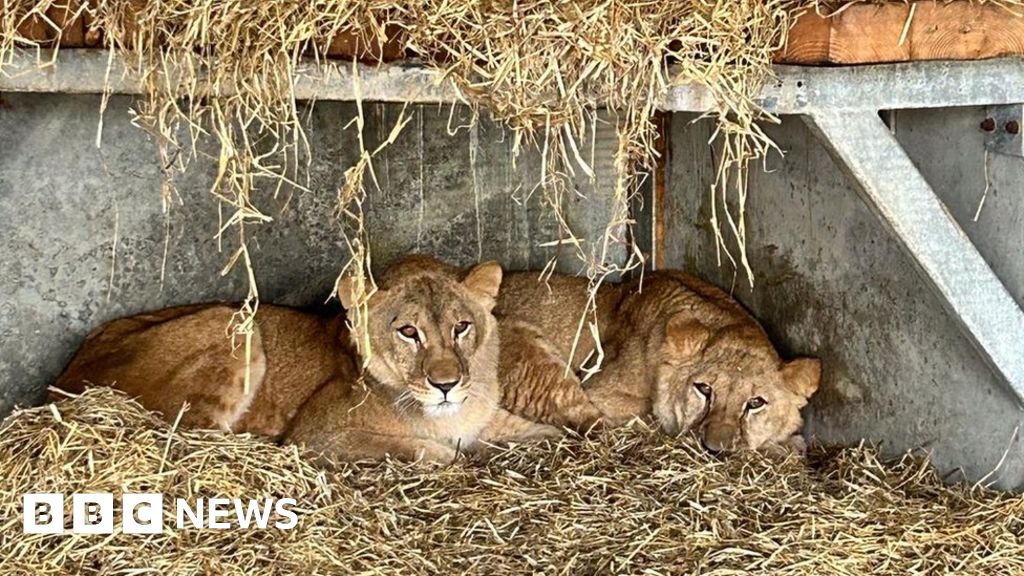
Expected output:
(625, 501)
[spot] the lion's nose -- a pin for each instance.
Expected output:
(444, 387)
(718, 440)
(711, 448)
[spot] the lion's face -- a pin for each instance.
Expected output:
(432, 338)
(731, 388)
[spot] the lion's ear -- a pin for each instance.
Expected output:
(802, 376)
(348, 291)
(484, 280)
(685, 338)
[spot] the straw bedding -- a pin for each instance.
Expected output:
(629, 501)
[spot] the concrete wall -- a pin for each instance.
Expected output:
(831, 281)
(62, 199)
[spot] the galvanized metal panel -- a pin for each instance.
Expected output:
(899, 194)
(832, 281)
(935, 84)
(89, 71)
(1002, 126)
(455, 196)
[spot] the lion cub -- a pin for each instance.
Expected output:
(430, 382)
(682, 350)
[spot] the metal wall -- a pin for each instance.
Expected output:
(831, 281)
(83, 238)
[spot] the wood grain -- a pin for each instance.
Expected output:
(661, 120)
(872, 33)
(35, 29)
(351, 45)
(70, 21)
(808, 41)
(862, 33)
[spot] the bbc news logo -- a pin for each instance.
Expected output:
(144, 513)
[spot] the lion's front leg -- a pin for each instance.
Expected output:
(507, 427)
(352, 445)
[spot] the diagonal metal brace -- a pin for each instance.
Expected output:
(895, 190)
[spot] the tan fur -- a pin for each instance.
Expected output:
(555, 306)
(535, 382)
(184, 355)
(400, 412)
(306, 380)
(539, 319)
(668, 335)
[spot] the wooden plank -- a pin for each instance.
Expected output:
(351, 45)
(857, 34)
(808, 40)
(872, 33)
(42, 30)
(34, 29)
(78, 31)
(661, 147)
(965, 31)
(71, 22)
(869, 33)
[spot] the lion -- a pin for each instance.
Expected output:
(679, 349)
(536, 384)
(432, 374)
(536, 380)
(184, 357)
(429, 386)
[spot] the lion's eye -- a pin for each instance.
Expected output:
(410, 332)
(703, 388)
(461, 328)
(756, 403)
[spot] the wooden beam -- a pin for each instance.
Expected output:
(808, 41)
(72, 23)
(351, 45)
(874, 33)
(661, 120)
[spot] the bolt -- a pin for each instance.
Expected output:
(1013, 127)
(988, 124)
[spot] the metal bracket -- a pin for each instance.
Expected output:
(863, 146)
(1002, 126)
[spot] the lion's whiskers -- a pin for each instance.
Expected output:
(404, 402)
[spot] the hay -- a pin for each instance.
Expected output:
(629, 501)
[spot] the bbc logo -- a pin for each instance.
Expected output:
(143, 513)
(93, 513)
